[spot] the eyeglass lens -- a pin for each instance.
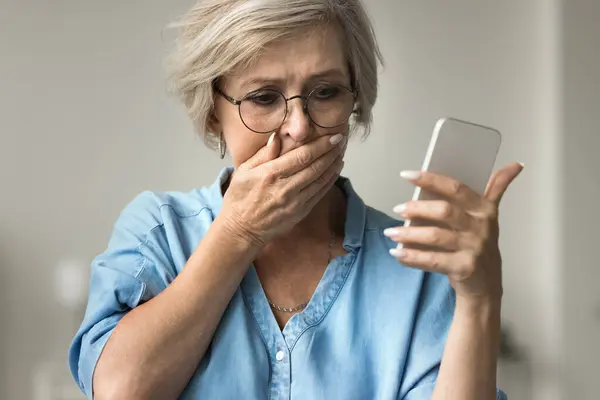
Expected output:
(328, 106)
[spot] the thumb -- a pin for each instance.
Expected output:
(266, 153)
(500, 181)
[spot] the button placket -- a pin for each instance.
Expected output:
(281, 373)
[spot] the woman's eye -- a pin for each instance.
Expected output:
(264, 99)
(327, 92)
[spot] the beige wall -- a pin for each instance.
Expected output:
(85, 125)
(581, 144)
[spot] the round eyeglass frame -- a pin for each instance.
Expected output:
(304, 105)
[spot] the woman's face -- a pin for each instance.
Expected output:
(293, 67)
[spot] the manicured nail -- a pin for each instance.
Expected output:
(397, 252)
(391, 232)
(335, 139)
(271, 139)
(400, 208)
(410, 175)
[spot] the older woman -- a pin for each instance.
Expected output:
(277, 280)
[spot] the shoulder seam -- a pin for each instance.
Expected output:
(144, 243)
(184, 216)
(141, 269)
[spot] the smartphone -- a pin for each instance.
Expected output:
(461, 150)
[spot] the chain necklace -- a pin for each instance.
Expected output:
(303, 305)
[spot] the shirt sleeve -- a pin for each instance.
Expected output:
(432, 324)
(130, 271)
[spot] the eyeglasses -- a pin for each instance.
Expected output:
(265, 110)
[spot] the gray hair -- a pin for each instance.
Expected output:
(218, 36)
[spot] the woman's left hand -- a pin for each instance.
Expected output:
(463, 244)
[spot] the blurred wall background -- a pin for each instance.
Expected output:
(581, 190)
(85, 124)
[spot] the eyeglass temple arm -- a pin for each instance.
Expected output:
(228, 98)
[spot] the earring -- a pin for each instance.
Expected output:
(222, 146)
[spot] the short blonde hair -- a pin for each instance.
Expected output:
(218, 36)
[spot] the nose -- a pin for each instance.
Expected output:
(297, 123)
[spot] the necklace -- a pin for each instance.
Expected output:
(303, 305)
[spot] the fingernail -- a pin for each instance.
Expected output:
(336, 138)
(410, 175)
(397, 252)
(399, 209)
(271, 139)
(391, 232)
(522, 165)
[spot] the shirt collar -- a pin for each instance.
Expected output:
(355, 208)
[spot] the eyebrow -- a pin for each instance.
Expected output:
(329, 73)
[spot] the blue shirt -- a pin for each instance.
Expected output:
(373, 329)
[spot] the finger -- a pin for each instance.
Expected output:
(265, 154)
(431, 261)
(438, 238)
(501, 180)
(445, 186)
(315, 171)
(310, 203)
(316, 190)
(439, 211)
(303, 156)
(320, 194)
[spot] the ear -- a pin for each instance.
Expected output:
(214, 125)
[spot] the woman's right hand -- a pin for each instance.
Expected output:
(268, 195)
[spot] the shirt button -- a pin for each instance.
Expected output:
(279, 356)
